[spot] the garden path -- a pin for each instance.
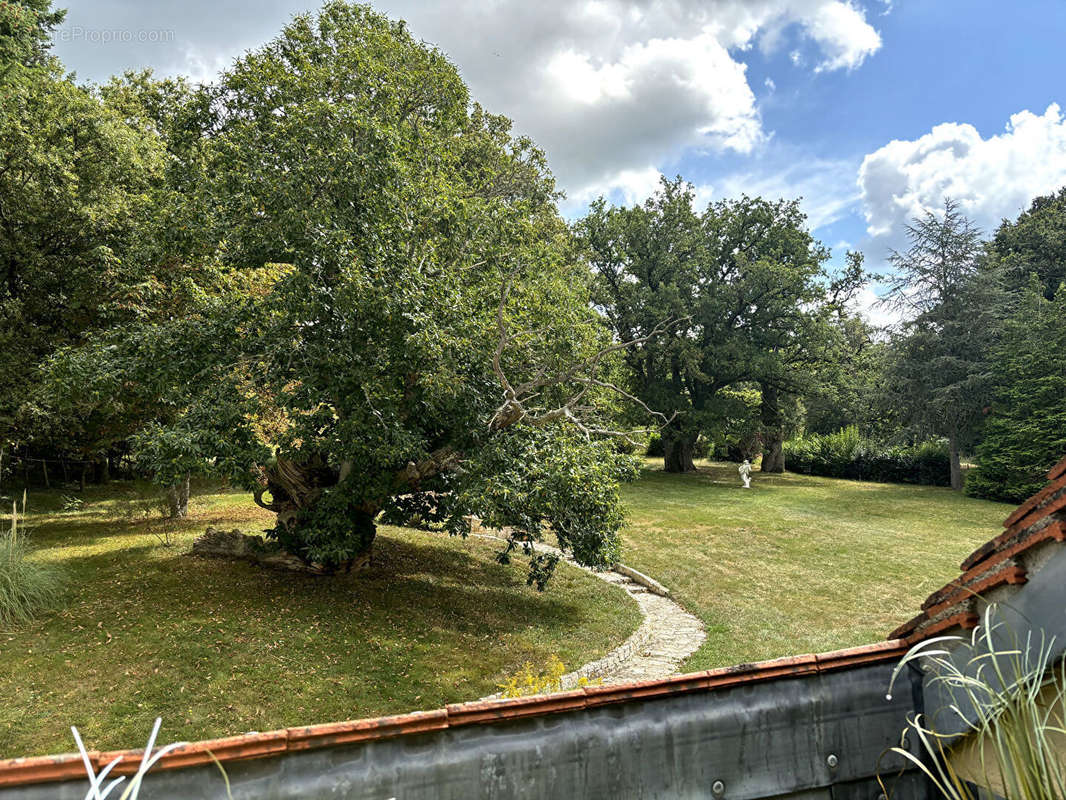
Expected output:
(665, 638)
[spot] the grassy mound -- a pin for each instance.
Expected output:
(217, 647)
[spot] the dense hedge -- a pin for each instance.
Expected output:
(846, 454)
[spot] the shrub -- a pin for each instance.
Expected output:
(529, 681)
(26, 587)
(846, 454)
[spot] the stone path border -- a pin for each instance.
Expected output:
(667, 635)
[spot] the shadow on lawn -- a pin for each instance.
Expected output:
(451, 588)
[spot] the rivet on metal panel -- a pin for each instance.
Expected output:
(718, 788)
(831, 761)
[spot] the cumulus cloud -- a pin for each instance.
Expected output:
(613, 89)
(867, 303)
(991, 178)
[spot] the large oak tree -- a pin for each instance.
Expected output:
(745, 291)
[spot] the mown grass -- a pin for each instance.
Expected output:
(797, 564)
(217, 647)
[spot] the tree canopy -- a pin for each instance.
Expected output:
(392, 305)
(745, 291)
(1025, 434)
(938, 372)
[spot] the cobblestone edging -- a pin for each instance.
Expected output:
(667, 635)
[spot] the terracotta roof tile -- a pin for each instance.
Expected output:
(333, 733)
(1035, 500)
(1037, 520)
(964, 619)
(38, 769)
(480, 711)
(230, 748)
(1057, 471)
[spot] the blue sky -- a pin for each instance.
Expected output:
(870, 110)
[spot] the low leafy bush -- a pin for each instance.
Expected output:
(846, 454)
(26, 587)
(529, 681)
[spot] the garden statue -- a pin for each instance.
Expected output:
(745, 473)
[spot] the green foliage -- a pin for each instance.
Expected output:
(742, 283)
(25, 33)
(366, 241)
(1025, 433)
(1015, 704)
(531, 480)
(847, 454)
(849, 384)
(938, 370)
(27, 587)
(1034, 244)
(77, 192)
(737, 433)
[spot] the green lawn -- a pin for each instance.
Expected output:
(217, 648)
(797, 564)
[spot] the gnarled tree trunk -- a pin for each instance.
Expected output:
(678, 448)
(296, 491)
(773, 453)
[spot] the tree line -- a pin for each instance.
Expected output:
(332, 277)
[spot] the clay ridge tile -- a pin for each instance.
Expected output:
(965, 619)
(1056, 503)
(334, 733)
(1022, 510)
(1057, 471)
(40, 769)
(229, 748)
(1012, 538)
(514, 708)
(1019, 527)
(1013, 574)
(908, 627)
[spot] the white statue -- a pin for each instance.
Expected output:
(745, 473)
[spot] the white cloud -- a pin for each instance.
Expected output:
(991, 178)
(867, 304)
(823, 184)
(844, 35)
(612, 89)
(818, 182)
(609, 88)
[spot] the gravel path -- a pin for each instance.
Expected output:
(666, 637)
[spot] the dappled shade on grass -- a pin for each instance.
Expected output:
(797, 564)
(217, 647)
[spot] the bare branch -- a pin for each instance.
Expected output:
(581, 374)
